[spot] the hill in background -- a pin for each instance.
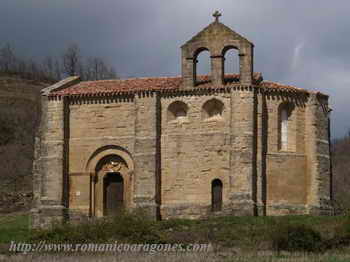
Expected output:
(341, 172)
(19, 118)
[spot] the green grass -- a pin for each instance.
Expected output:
(14, 228)
(247, 234)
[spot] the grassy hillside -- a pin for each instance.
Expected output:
(20, 110)
(341, 172)
(287, 238)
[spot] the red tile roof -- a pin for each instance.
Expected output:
(106, 87)
(278, 86)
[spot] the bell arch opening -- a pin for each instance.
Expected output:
(202, 66)
(231, 64)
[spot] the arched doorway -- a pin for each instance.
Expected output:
(113, 193)
(111, 186)
(216, 195)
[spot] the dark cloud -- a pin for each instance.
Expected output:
(304, 43)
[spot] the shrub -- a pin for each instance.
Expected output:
(341, 235)
(135, 227)
(291, 237)
(132, 227)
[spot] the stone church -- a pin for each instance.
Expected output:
(183, 147)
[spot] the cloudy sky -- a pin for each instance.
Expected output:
(302, 43)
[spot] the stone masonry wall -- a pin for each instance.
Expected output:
(286, 175)
(145, 154)
(126, 123)
(319, 168)
(94, 125)
(196, 150)
(49, 164)
(239, 146)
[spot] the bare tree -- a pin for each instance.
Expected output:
(96, 69)
(7, 59)
(22, 66)
(112, 73)
(49, 67)
(55, 68)
(33, 69)
(71, 60)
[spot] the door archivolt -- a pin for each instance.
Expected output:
(110, 164)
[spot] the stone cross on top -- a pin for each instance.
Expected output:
(217, 14)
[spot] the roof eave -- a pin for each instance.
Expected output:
(67, 82)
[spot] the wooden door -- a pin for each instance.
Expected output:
(113, 193)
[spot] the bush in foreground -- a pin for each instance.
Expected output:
(292, 234)
(132, 227)
(292, 238)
